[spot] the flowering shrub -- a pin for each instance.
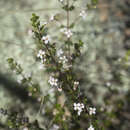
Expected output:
(59, 63)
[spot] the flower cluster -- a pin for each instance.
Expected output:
(23, 77)
(46, 39)
(79, 107)
(67, 32)
(53, 81)
(62, 58)
(91, 128)
(76, 83)
(92, 110)
(42, 55)
(83, 14)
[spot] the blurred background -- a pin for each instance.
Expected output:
(104, 68)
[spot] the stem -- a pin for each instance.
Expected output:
(68, 14)
(42, 100)
(68, 19)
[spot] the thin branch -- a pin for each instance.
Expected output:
(68, 14)
(68, 20)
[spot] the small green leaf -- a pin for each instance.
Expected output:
(80, 43)
(72, 25)
(94, 2)
(10, 60)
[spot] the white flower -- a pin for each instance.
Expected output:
(63, 59)
(119, 60)
(59, 52)
(27, 75)
(108, 84)
(39, 99)
(52, 18)
(83, 14)
(20, 79)
(68, 33)
(91, 128)
(29, 94)
(76, 83)
(61, 0)
(43, 60)
(25, 128)
(46, 39)
(59, 89)
(92, 110)
(82, 105)
(55, 127)
(75, 106)
(30, 33)
(53, 81)
(79, 107)
(40, 54)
